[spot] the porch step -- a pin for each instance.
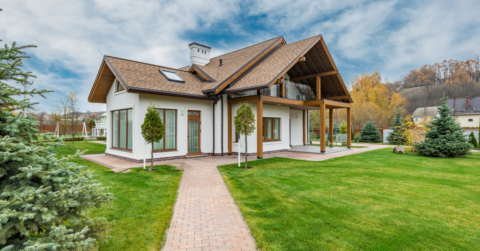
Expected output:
(195, 156)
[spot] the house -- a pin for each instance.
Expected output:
(466, 111)
(198, 102)
(425, 112)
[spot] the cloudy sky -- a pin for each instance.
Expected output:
(392, 37)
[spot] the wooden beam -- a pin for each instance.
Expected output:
(322, 128)
(340, 97)
(314, 75)
(301, 59)
(260, 129)
(337, 104)
(303, 127)
(278, 100)
(319, 87)
(349, 127)
(243, 99)
(230, 133)
(283, 94)
(330, 125)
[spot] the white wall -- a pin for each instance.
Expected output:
(297, 134)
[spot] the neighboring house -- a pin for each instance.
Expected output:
(198, 102)
(466, 111)
(425, 112)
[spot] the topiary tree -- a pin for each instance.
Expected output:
(397, 136)
(91, 124)
(445, 137)
(343, 128)
(245, 124)
(152, 128)
(370, 132)
(472, 140)
(44, 200)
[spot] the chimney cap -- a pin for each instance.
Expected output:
(201, 45)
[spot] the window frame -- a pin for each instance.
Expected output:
(117, 85)
(273, 126)
(126, 129)
(182, 81)
(176, 131)
(470, 120)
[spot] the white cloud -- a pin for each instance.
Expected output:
(391, 36)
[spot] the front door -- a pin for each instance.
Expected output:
(194, 132)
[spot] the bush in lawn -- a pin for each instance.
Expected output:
(91, 124)
(472, 140)
(152, 128)
(245, 124)
(445, 137)
(357, 138)
(370, 133)
(343, 128)
(101, 138)
(397, 136)
(44, 201)
(74, 138)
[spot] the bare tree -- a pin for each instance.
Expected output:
(72, 114)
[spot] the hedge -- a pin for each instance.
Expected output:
(75, 139)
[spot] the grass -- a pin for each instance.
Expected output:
(370, 201)
(340, 146)
(143, 205)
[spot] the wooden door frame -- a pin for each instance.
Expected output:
(199, 131)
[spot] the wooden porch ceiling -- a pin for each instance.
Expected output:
(294, 104)
(318, 62)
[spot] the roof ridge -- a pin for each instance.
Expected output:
(246, 47)
(171, 68)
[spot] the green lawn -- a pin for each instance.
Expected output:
(340, 146)
(143, 205)
(370, 201)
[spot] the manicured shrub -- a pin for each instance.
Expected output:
(357, 138)
(101, 138)
(370, 133)
(445, 137)
(472, 140)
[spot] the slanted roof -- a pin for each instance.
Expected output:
(285, 59)
(460, 106)
(421, 112)
(254, 67)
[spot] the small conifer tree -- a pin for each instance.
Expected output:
(472, 140)
(370, 132)
(152, 128)
(245, 124)
(397, 136)
(343, 128)
(44, 201)
(445, 137)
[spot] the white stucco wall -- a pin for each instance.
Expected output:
(463, 120)
(139, 103)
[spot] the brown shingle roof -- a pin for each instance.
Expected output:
(138, 76)
(268, 69)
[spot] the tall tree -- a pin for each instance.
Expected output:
(445, 137)
(44, 201)
(152, 128)
(245, 124)
(72, 114)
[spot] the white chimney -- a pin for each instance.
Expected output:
(199, 54)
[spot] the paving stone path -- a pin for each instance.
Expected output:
(205, 214)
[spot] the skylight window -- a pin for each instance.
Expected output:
(172, 76)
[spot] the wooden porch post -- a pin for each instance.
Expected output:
(260, 129)
(349, 127)
(322, 127)
(304, 123)
(229, 128)
(283, 87)
(330, 125)
(319, 87)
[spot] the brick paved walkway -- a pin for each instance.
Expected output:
(205, 214)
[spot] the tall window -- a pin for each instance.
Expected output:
(271, 129)
(122, 129)
(169, 140)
